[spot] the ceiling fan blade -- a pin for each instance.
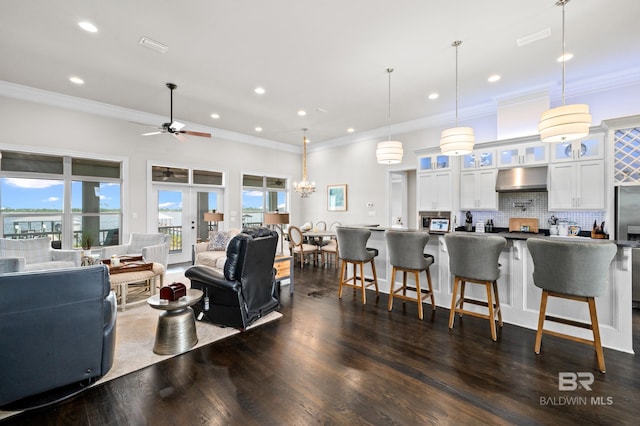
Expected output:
(152, 133)
(191, 133)
(180, 137)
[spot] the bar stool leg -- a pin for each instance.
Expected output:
(343, 272)
(596, 333)
(362, 283)
(498, 308)
(462, 285)
(492, 319)
(393, 280)
(433, 299)
(418, 293)
(452, 313)
(543, 309)
(375, 276)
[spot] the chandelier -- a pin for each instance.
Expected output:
(567, 122)
(457, 140)
(304, 187)
(389, 152)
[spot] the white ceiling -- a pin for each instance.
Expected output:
(328, 54)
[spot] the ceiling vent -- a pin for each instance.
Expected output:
(156, 46)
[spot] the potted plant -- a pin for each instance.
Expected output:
(86, 243)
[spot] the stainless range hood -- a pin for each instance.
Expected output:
(522, 179)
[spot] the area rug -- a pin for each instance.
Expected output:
(135, 335)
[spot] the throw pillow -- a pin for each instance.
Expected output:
(218, 240)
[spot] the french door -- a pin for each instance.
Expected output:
(179, 212)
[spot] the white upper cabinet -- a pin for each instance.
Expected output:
(479, 159)
(590, 148)
(435, 191)
(478, 190)
(429, 163)
(578, 185)
(528, 154)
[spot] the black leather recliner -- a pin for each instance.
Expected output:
(248, 289)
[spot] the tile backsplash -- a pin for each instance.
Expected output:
(536, 206)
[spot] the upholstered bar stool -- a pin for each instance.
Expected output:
(474, 259)
(571, 270)
(406, 255)
(353, 250)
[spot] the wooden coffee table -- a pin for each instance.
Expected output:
(132, 270)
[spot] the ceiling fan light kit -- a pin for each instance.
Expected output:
(567, 122)
(175, 127)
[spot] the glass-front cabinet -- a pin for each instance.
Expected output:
(479, 159)
(434, 162)
(523, 155)
(590, 148)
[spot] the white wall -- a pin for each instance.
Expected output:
(28, 125)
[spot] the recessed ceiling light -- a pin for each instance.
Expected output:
(215, 116)
(494, 78)
(88, 27)
(76, 80)
(351, 130)
(259, 90)
(433, 96)
(566, 57)
(258, 129)
(302, 113)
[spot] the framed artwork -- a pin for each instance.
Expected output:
(337, 198)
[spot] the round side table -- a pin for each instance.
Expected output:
(176, 331)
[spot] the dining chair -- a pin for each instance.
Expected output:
(297, 246)
(330, 251)
(575, 271)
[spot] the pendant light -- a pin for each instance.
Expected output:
(567, 122)
(457, 140)
(304, 187)
(389, 152)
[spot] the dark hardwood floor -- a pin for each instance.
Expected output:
(331, 361)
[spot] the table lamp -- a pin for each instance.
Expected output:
(213, 217)
(277, 220)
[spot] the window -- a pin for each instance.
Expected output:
(33, 193)
(262, 194)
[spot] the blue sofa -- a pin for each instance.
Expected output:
(57, 328)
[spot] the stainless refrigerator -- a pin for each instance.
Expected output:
(628, 228)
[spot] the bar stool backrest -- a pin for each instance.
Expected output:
(573, 268)
(406, 249)
(475, 256)
(353, 244)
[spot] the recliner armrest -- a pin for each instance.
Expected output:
(12, 264)
(207, 275)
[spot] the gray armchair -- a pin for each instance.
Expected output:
(153, 247)
(34, 254)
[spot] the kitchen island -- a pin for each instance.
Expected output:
(520, 298)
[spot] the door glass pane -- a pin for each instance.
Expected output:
(170, 218)
(207, 178)
(169, 174)
(207, 201)
(36, 163)
(252, 207)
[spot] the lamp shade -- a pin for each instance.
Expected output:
(276, 218)
(565, 123)
(457, 141)
(213, 217)
(389, 152)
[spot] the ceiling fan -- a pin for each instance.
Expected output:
(175, 127)
(167, 174)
